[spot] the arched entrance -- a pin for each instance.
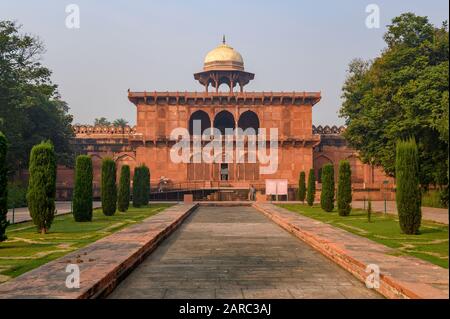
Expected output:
(249, 119)
(224, 120)
(201, 116)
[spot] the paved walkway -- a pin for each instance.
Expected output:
(237, 252)
(439, 215)
(400, 276)
(101, 264)
(22, 214)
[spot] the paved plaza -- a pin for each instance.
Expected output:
(237, 252)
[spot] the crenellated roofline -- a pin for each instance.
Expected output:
(328, 130)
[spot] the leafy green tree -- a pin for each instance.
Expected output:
(344, 191)
(123, 201)
(408, 195)
(30, 106)
(311, 194)
(120, 123)
(302, 187)
(402, 93)
(42, 185)
(109, 190)
(82, 196)
(3, 188)
(327, 194)
(137, 187)
(102, 121)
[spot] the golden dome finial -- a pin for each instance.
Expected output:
(223, 39)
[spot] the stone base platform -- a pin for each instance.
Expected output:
(400, 276)
(102, 264)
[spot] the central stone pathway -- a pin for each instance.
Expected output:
(237, 252)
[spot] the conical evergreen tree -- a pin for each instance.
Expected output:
(82, 194)
(109, 188)
(327, 194)
(311, 194)
(408, 195)
(123, 200)
(42, 185)
(302, 187)
(3, 188)
(344, 192)
(137, 187)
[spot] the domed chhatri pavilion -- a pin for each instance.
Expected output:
(300, 146)
(224, 65)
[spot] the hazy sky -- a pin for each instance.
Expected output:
(158, 45)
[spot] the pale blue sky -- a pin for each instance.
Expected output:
(158, 45)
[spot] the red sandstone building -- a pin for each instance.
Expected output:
(301, 146)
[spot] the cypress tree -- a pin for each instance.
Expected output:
(82, 194)
(145, 185)
(123, 201)
(327, 194)
(302, 187)
(137, 189)
(42, 185)
(109, 190)
(3, 188)
(311, 187)
(408, 196)
(344, 191)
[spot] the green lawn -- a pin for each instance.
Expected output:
(26, 249)
(430, 245)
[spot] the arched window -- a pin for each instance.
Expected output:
(201, 116)
(224, 120)
(247, 120)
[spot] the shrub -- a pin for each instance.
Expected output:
(311, 187)
(17, 195)
(3, 188)
(344, 191)
(327, 194)
(302, 187)
(42, 185)
(82, 194)
(137, 189)
(408, 195)
(123, 198)
(109, 191)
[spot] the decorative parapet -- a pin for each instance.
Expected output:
(103, 130)
(328, 130)
(224, 98)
